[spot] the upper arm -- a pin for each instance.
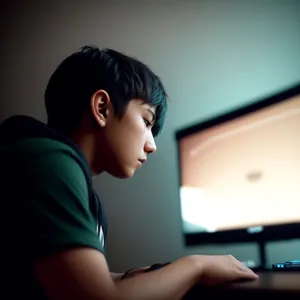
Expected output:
(57, 209)
(63, 244)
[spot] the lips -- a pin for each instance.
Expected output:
(143, 160)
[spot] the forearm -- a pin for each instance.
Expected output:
(169, 283)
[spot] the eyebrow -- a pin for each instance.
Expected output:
(153, 114)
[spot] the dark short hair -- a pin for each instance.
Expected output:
(124, 78)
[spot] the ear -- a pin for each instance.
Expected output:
(100, 101)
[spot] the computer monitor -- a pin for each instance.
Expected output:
(240, 173)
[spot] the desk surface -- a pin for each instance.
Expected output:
(269, 283)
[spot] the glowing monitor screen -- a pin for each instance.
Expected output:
(242, 171)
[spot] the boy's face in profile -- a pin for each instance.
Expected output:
(125, 142)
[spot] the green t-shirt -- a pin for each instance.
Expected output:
(45, 209)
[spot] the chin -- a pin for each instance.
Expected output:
(123, 174)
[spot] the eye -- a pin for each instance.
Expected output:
(148, 124)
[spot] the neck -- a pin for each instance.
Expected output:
(86, 142)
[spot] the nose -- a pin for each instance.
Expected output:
(150, 145)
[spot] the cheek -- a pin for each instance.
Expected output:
(135, 129)
(127, 138)
(132, 142)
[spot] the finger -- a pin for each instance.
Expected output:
(244, 267)
(249, 274)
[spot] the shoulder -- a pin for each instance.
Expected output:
(48, 154)
(58, 200)
(54, 161)
(53, 193)
(42, 146)
(47, 163)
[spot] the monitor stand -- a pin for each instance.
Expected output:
(262, 256)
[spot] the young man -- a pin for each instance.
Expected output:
(104, 110)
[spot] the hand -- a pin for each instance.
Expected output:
(218, 269)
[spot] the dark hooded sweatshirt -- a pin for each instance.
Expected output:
(48, 203)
